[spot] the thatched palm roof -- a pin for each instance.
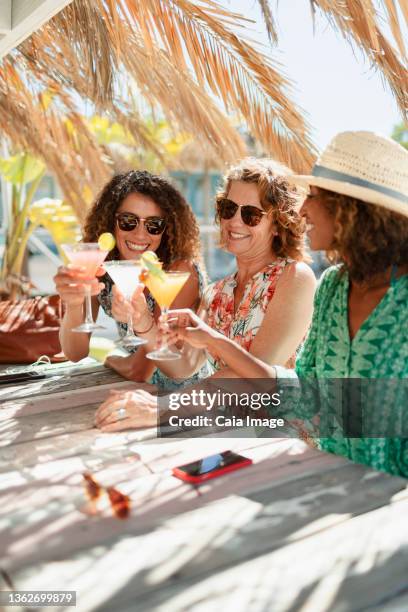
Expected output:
(187, 58)
(362, 23)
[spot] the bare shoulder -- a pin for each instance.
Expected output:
(297, 275)
(183, 265)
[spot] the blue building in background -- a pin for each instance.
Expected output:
(199, 189)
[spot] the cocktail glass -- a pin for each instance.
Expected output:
(165, 290)
(89, 256)
(125, 274)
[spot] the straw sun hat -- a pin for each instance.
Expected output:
(365, 166)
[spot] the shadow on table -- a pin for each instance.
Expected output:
(264, 585)
(174, 535)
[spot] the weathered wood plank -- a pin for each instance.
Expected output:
(60, 527)
(26, 454)
(36, 485)
(397, 604)
(39, 408)
(298, 530)
(58, 384)
(286, 507)
(353, 566)
(187, 561)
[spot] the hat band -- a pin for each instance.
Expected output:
(323, 172)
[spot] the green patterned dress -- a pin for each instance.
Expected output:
(379, 350)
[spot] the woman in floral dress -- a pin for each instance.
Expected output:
(357, 211)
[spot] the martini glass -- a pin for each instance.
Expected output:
(125, 274)
(165, 290)
(89, 256)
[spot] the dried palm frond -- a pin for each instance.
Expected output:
(65, 143)
(231, 67)
(180, 54)
(269, 20)
(359, 21)
(183, 102)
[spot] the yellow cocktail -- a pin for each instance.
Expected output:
(164, 288)
(165, 291)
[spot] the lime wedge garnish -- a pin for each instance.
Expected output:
(106, 241)
(152, 264)
(150, 256)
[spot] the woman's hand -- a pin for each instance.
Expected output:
(185, 325)
(121, 307)
(127, 410)
(70, 284)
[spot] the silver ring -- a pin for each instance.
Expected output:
(121, 413)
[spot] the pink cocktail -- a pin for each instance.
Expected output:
(90, 260)
(89, 256)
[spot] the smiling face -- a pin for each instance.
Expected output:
(319, 222)
(138, 240)
(238, 238)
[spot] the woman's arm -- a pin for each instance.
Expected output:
(135, 367)
(187, 326)
(283, 328)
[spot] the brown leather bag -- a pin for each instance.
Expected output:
(29, 328)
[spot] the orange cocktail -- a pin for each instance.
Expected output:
(165, 287)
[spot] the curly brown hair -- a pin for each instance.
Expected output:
(368, 239)
(277, 197)
(181, 238)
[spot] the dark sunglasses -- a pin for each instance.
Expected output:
(119, 502)
(128, 222)
(250, 215)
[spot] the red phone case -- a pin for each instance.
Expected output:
(202, 477)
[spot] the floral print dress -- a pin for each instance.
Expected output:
(242, 326)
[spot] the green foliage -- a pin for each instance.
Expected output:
(25, 173)
(21, 169)
(109, 133)
(160, 147)
(400, 134)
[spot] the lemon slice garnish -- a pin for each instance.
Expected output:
(153, 265)
(106, 241)
(150, 256)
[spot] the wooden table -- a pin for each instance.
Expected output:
(299, 530)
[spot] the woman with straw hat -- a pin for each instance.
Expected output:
(357, 211)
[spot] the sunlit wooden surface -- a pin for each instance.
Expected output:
(298, 530)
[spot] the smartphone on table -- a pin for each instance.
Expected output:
(17, 377)
(211, 467)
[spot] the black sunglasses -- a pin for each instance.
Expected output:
(129, 221)
(250, 215)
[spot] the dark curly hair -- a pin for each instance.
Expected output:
(181, 238)
(278, 197)
(368, 239)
